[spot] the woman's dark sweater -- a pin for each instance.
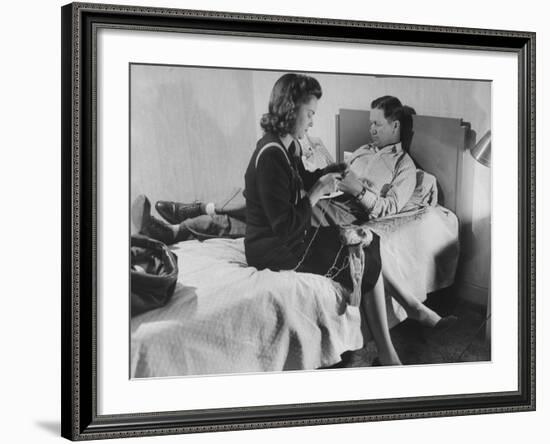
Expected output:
(278, 212)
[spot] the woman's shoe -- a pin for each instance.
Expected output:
(445, 323)
(437, 332)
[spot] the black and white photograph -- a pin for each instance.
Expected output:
(306, 221)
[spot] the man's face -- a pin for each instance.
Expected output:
(383, 132)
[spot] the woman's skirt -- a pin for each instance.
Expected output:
(327, 255)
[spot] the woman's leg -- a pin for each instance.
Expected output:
(415, 309)
(374, 304)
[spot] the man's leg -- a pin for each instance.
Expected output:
(237, 211)
(215, 226)
(177, 212)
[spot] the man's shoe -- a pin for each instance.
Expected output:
(148, 224)
(176, 212)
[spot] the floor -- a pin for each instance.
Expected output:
(464, 341)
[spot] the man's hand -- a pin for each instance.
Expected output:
(350, 184)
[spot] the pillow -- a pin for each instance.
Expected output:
(425, 192)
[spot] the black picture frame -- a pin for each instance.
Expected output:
(79, 210)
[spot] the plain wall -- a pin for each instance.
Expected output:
(192, 131)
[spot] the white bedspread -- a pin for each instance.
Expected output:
(226, 317)
(419, 251)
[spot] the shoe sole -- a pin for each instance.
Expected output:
(140, 212)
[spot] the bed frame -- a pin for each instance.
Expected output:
(438, 147)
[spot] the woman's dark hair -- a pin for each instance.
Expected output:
(289, 92)
(394, 110)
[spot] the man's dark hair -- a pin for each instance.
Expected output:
(394, 110)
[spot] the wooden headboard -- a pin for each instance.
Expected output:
(438, 147)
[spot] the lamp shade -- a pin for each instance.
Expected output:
(482, 150)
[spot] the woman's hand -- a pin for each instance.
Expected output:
(325, 185)
(351, 184)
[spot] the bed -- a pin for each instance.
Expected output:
(226, 317)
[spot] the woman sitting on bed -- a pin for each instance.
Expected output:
(381, 178)
(280, 196)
